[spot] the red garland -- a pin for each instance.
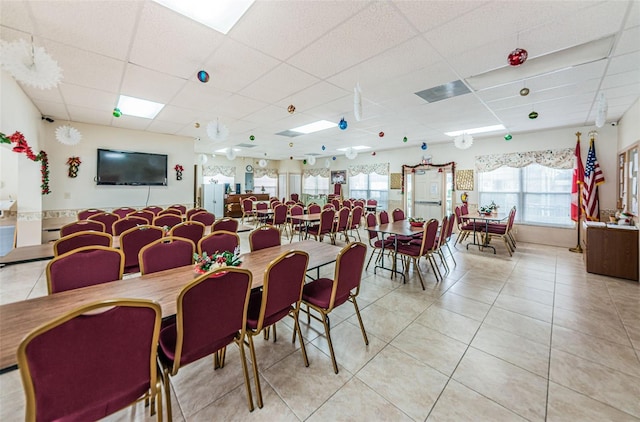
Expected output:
(451, 163)
(22, 146)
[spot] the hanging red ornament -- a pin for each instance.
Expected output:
(381, 134)
(517, 57)
(373, 153)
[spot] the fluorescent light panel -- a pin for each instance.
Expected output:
(223, 150)
(356, 148)
(138, 107)
(484, 129)
(315, 127)
(220, 15)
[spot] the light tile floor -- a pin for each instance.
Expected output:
(529, 337)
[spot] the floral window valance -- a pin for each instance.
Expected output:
(380, 168)
(261, 172)
(553, 158)
(229, 171)
(322, 172)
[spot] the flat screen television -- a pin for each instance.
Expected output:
(131, 168)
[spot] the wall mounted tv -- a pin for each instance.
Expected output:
(131, 168)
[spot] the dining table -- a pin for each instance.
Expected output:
(17, 319)
(481, 223)
(396, 229)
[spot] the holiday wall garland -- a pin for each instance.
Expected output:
(21, 145)
(406, 167)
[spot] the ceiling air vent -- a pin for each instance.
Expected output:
(289, 133)
(246, 145)
(442, 92)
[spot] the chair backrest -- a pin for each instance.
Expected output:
(219, 241)
(356, 217)
(347, 203)
(191, 230)
(282, 287)
(452, 222)
(146, 214)
(512, 217)
(132, 240)
(247, 205)
(326, 220)
(127, 223)
(384, 217)
(227, 224)
(372, 202)
(85, 266)
(124, 211)
(337, 189)
(280, 214)
(169, 220)
(343, 219)
(153, 208)
(85, 214)
(464, 209)
(79, 239)
(335, 203)
(329, 206)
(290, 203)
(372, 222)
(296, 210)
(173, 211)
(358, 203)
(348, 273)
(253, 198)
(262, 206)
(397, 214)
(212, 309)
(314, 209)
(458, 213)
(167, 252)
(193, 211)
(106, 218)
(81, 226)
(444, 228)
(204, 217)
(264, 237)
(429, 233)
(178, 207)
(108, 349)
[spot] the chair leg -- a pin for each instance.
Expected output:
(373, 252)
(296, 311)
(275, 335)
(364, 333)
(245, 371)
(327, 332)
(159, 400)
(451, 253)
(417, 267)
(256, 378)
(167, 392)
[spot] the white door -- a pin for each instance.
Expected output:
(428, 194)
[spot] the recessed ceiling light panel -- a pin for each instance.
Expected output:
(220, 15)
(138, 107)
(356, 148)
(314, 127)
(473, 131)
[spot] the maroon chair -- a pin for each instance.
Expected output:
(247, 209)
(372, 205)
(279, 218)
(204, 217)
(290, 203)
(146, 214)
(359, 203)
(85, 266)
(212, 313)
(191, 230)
(295, 225)
(280, 296)
(168, 220)
(153, 208)
(426, 248)
(329, 206)
(347, 203)
(314, 209)
(384, 217)
(124, 211)
(295, 197)
(219, 241)
(127, 223)
(80, 239)
(92, 362)
(354, 221)
(464, 228)
(397, 214)
(324, 294)
(227, 224)
(81, 226)
(502, 231)
(85, 214)
(325, 226)
(192, 211)
(262, 206)
(377, 244)
(165, 253)
(107, 219)
(448, 234)
(173, 211)
(179, 207)
(134, 239)
(264, 237)
(336, 203)
(341, 225)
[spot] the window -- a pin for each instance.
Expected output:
(266, 184)
(316, 185)
(370, 186)
(541, 195)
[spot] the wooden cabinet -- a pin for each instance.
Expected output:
(612, 251)
(233, 203)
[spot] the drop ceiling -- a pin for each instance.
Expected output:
(311, 54)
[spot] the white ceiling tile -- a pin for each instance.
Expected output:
(131, 122)
(165, 127)
(197, 96)
(91, 98)
(238, 106)
(280, 83)
(370, 32)
(622, 79)
(15, 14)
(150, 85)
(52, 95)
(428, 15)
(178, 115)
(52, 109)
(88, 115)
(626, 63)
(628, 42)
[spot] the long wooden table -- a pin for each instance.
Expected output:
(20, 318)
(43, 252)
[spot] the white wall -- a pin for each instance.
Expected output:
(629, 127)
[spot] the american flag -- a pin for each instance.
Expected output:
(592, 178)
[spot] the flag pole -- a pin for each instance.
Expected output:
(578, 248)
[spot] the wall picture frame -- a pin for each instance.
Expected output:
(338, 177)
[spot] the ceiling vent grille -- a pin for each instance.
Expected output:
(442, 92)
(289, 133)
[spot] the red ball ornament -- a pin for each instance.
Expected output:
(517, 57)
(381, 134)
(373, 153)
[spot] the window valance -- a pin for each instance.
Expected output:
(322, 172)
(553, 158)
(261, 172)
(229, 171)
(379, 168)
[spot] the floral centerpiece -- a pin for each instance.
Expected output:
(206, 263)
(488, 209)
